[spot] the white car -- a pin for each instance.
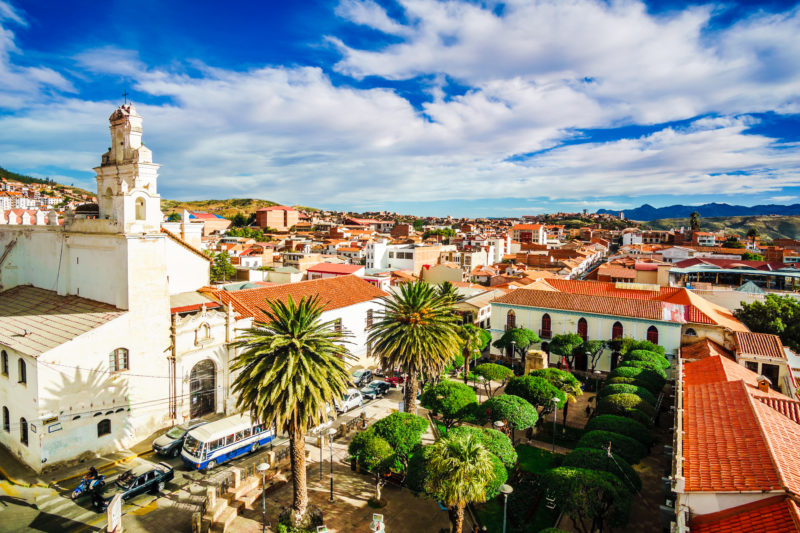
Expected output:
(351, 400)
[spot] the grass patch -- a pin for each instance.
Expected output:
(566, 437)
(535, 460)
(491, 515)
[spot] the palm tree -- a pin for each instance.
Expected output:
(449, 291)
(291, 368)
(418, 332)
(459, 470)
(694, 221)
(471, 342)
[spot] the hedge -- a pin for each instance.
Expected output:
(628, 405)
(620, 388)
(649, 379)
(594, 459)
(622, 425)
(629, 449)
(645, 355)
(647, 365)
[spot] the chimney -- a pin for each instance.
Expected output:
(763, 384)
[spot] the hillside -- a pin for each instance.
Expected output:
(225, 208)
(66, 190)
(648, 212)
(770, 227)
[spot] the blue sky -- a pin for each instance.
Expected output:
(428, 107)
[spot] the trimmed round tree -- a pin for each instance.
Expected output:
(595, 500)
(496, 442)
(649, 365)
(493, 372)
(599, 460)
(622, 425)
(417, 471)
(450, 399)
(629, 449)
(373, 453)
(628, 405)
(403, 431)
(563, 381)
(624, 388)
(646, 355)
(517, 412)
(649, 379)
(537, 391)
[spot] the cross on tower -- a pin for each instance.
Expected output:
(125, 96)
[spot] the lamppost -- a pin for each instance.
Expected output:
(555, 417)
(263, 467)
(596, 382)
(331, 433)
(499, 425)
(505, 490)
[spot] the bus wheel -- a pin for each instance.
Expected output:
(211, 465)
(254, 448)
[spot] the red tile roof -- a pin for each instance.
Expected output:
(778, 514)
(527, 227)
(715, 369)
(334, 293)
(704, 348)
(335, 268)
(763, 344)
(601, 305)
(719, 423)
(785, 406)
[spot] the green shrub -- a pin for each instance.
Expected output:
(625, 388)
(645, 355)
(628, 405)
(649, 379)
(622, 425)
(649, 365)
(631, 450)
(537, 391)
(619, 380)
(594, 459)
(517, 412)
(493, 372)
(500, 477)
(496, 442)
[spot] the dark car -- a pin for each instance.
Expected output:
(171, 442)
(138, 480)
(362, 377)
(376, 389)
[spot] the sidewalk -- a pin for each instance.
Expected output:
(13, 470)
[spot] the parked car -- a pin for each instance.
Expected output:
(171, 442)
(138, 480)
(362, 377)
(376, 389)
(395, 381)
(351, 400)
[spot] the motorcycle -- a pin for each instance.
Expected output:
(87, 485)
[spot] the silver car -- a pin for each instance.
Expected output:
(171, 442)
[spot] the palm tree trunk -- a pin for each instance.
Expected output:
(411, 394)
(456, 518)
(297, 454)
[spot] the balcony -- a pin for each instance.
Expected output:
(545, 333)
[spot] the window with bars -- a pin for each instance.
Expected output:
(337, 325)
(369, 318)
(118, 360)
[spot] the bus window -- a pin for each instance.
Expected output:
(246, 433)
(239, 436)
(229, 440)
(192, 445)
(256, 430)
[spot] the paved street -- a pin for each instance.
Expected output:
(52, 510)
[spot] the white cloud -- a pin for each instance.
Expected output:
(782, 199)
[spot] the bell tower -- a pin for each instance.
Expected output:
(127, 177)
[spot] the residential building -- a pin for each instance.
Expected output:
(278, 217)
(331, 270)
(534, 233)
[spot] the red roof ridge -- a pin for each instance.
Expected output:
(755, 405)
(740, 517)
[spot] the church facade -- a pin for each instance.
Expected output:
(96, 350)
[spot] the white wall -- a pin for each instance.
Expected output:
(186, 271)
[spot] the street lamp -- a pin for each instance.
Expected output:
(331, 433)
(555, 417)
(263, 467)
(499, 425)
(596, 382)
(505, 490)
(513, 351)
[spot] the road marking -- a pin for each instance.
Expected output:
(152, 506)
(8, 488)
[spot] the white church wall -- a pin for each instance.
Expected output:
(186, 271)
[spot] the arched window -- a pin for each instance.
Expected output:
(369, 318)
(203, 333)
(511, 320)
(23, 371)
(583, 328)
(690, 332)
(118, 360)
(4, 363)
(6, 420)
(103, 427)
(652, 334)
(23, 431)
(616, 330)
(546, 332)
(140, 209)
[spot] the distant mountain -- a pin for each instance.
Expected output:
(768, 226)
(648, 212)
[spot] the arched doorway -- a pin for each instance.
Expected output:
(202, 388)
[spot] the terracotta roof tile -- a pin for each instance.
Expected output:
(785, 406)
(748, 343)
(778, 514)
(335, 268)
(334, 293)
(704, 348)
(714, 369)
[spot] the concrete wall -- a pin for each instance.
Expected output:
(186, 271)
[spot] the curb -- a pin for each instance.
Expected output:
(45, 485)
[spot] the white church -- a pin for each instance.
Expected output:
(103, 338)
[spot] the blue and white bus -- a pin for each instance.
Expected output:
(211, 444)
